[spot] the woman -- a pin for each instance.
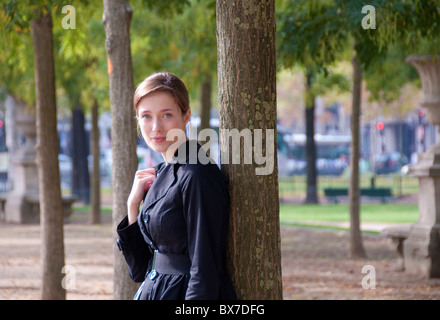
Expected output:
(176, 244)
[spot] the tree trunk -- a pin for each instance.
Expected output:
(247, 100)
(80, 168)
(51, 208)
(205, 102)
(312, 173)
(95, 209)
(356, 246)
(117, 18)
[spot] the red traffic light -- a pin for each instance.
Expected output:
(380, 125)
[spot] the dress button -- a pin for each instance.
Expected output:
(152, 275)
(146, 217)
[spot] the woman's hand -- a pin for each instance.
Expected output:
(143, 180)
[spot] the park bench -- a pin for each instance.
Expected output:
(334, 193)
(33, 203)
(398, 235)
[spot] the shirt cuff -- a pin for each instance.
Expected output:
(128, 233)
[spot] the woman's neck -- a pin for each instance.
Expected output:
(170, 153)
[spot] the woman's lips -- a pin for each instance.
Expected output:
(158, 139)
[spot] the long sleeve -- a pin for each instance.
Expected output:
(134, 248)
(204, 205)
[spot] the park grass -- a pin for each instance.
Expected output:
(296, 214)
(86, 208)
(296, 185)
(386, 213)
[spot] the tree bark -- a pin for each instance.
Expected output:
(51, 208)
(311, 170)
(247, 100)
(205, 102)
(356, 246)
(116, 19)
(95, 208)
(80, 168)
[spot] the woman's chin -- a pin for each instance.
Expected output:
(158, 147)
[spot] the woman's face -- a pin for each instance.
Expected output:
(157, 114)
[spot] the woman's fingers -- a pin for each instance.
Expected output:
(145, 172)
(142, 182)
(148, 184)
(146, 177)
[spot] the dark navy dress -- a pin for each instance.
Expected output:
(176, 247)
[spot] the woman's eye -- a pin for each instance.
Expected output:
(167, 115)
(146, 116)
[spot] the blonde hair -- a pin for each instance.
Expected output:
(162, 82)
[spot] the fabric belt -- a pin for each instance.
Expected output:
(170, 263)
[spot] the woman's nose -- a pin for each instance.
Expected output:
(157, 126)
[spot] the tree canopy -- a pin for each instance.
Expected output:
(162, 38)
(319, 33)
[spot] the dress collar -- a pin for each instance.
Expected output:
(166, 174)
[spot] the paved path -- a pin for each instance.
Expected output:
(365, 226)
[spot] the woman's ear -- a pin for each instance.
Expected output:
(138, 128)
(187, 116)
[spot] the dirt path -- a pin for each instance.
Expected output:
(87, 248)
(315, 266)
(314, 262)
